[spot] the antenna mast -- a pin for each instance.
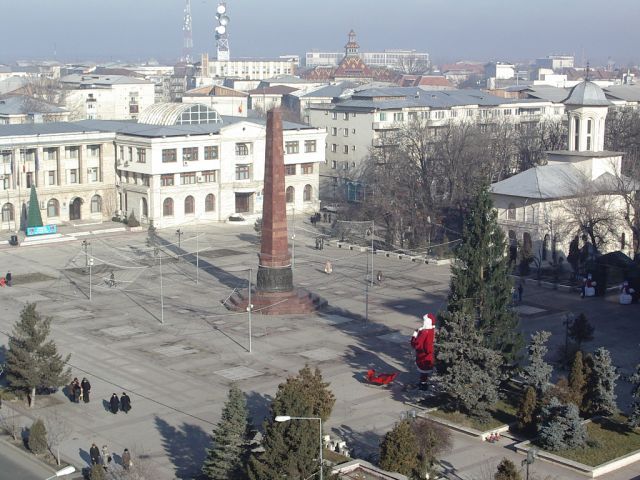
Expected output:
(187, 46)
(222, 37)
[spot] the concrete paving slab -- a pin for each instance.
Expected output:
(395, 337)
(32, 298)
(320, 354)
(528, 310)
(238, 373)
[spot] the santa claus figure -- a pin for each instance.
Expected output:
(422, 341)
(626, 293)
(588, 286)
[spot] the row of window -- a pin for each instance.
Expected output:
(345, 148)
(307, 169)
(190, 178)
(307, 194)
(344, 131)
(51, 176)
(53, 208)
(293, 146)
(454, 113)
(49, 153)
(344, 115)
(189, 205)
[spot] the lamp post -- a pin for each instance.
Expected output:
(85, 246)
(286, 418)
(569, 317)
(250, 307)
(68, 470)
(179, 233)
(531, 457)
(90, 265)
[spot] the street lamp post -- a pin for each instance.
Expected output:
(90, 265)
(568, 321)
(286, 418)
(85, 246)
(179, 233)
(68, 470)
(249, 308)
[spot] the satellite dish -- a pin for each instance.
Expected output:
(220, 29)
(224, 20)
(221, 9)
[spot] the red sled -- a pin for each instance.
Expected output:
(380, 379)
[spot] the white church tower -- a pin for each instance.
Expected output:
(587, 108)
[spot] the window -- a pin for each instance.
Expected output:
(7, 212)
(53, 208)
(345, 149)
(71, 152)
(190, 154)
(73, 175)
(307, 168)
(209, 176)
(210, 203)
(187, 178)
(291, 147)
(5, 183)
(93, 151)
(242, 149)
(96, 204)
(130, 154)
(307, 193)
(334, 164)
(141, 155)
(398, 117)
(5, 156)
(167, 207)
(576, 134)
(49, 154)
(166, 181)
(189, 205)
(334, 115)
(309, 146)
(211, 152)
(334, 131)
(334, 147)
(345, 116)
(345, 132)
(243, 172)
(93, 174)
(383, 116)
(291, 194)
(511, 212)
(169, 155)
(289, 169)
(29, 179)
(589, 123)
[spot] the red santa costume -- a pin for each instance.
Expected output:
(422, 341)
(588, 286)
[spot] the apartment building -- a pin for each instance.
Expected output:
(368, 118)
(247, 68)
(71, 166)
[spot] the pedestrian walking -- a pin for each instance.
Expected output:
(94, 453)
(86, 388)
(328, 268)
(321, 243)
(126, 459)
(106, 457)
(114, 404)
(112, 279)
(317, 243)
(520, 291)
(74, 390)
(379, 276)
(8, 278)
(324, 217)
(125, 402)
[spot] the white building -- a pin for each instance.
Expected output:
(72, 167)
(22, 109)
(106, 97)
(368, 119)
(417, 62)
(555, 62)
(224, 100)
(247, 68)
(183, 163)
(500, 70)
(534, 207)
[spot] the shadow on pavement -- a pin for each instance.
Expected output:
(185, 445)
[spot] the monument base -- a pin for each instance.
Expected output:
(293, 302)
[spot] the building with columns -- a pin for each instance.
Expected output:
(538, 208)
(180, 164)
(71, 166)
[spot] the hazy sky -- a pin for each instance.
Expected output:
(507, 30)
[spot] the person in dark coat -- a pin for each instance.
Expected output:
(8, 278)
(125, 402)
(126, 459)
(114, 403)
(94, 453)
(86, 388)
(75, 390)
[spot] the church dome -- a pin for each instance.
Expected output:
(587, 94)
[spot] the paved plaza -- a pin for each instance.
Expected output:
(176, 354)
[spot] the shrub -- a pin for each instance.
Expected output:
(507, 471)
(561, 427)
(133, 221)
(38, 437)
(526, 411)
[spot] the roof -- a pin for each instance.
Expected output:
(544, 92)
(102, 80)
(331, 91)
(12, 84)
(22, 104)
(629, 93)
(48, 128)
(553, 181)
(214, 91)
(178, 113)
(277, 90)
(587, 94)
(424, 80)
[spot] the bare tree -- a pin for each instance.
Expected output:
(9, 423)
(58, 430)
(413, 65)
(628, 187)
(109, 203)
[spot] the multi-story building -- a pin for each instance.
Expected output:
(247, 68)
(106, 97)
(72, 167)
(181, 163)
(555, 62)
(368, 119)
(224, 100)
(408, 61)
(23, 109)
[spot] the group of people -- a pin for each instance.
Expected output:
(6, 280)
(104, 458)
(320, 243)
(516, 293)
(79, 390)
(123, 403)
(316, 217)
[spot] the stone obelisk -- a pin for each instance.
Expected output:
(274, 269)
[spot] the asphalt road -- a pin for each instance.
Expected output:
(15, 464)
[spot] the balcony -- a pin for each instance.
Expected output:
(386, 126)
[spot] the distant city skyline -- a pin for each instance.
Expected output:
(505, 30)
